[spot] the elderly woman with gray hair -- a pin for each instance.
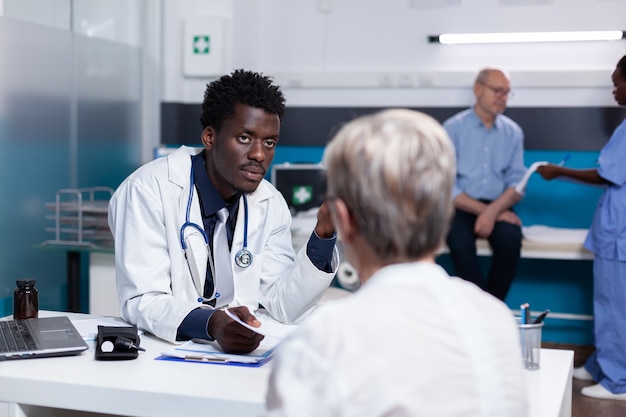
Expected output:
(412, 341)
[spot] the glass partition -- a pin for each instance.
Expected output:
(70, 116)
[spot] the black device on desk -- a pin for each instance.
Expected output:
(39, 338)
(117, 343)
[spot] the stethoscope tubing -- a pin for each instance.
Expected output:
(187, 215)
(188, 223)
(243, 258)
(245, 223)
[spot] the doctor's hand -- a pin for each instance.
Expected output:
(232, 336)
(324, 227)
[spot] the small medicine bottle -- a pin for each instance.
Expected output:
(25, 300)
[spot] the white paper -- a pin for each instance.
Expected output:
(213, 353)
(269, 327)
(210, 351)
(548, 234)
(521, 186)
(88, 328)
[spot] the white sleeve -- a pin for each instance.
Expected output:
(302, 384)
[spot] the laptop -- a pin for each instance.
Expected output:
(39, 338)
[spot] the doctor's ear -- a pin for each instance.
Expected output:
(208, 137)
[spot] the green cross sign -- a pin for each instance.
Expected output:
(301, 194)
(201, 44)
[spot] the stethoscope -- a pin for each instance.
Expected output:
(243, 257)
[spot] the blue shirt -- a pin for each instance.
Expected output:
(607, 235)
(488, 160)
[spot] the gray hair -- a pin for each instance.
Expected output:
(395, 171)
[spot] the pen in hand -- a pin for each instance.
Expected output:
(564, 160)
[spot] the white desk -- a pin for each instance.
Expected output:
(147, 387)
(140, 387)
(550, 388)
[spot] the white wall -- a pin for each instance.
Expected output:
(177, 88)
(356, 52)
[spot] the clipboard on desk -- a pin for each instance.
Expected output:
(204, 351)
(211, 354)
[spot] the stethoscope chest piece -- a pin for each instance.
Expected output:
(243, 258)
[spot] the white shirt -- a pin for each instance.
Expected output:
(411, 342)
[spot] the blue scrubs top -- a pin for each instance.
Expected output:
(607, 235)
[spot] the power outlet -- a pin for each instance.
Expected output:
(407, 79)
(386, 79)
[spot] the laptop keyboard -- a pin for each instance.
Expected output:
(14, 337)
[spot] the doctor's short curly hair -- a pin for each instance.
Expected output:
(240, 87)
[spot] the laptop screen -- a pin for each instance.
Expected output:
(302, 185)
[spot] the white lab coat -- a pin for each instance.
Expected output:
(412, 341)
(154, 285)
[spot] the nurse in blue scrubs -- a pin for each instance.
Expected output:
(607, 240)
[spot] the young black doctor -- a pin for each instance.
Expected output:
(163, 218)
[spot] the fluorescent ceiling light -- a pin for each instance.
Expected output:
(465, 38)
